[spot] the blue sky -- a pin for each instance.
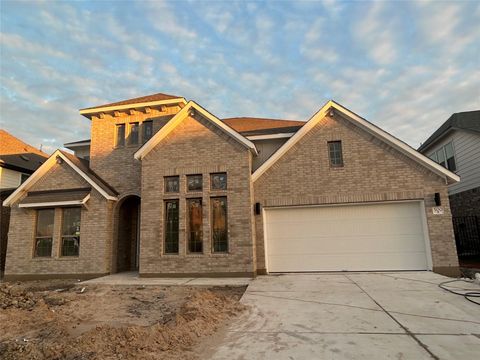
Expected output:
(406, 65)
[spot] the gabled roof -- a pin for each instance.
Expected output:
(182, 115)
(135, 103)
(25, 162)
(366, 126)
(78, 165)
(468, 120)
(248, 124)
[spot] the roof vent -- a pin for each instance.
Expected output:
(24, 157)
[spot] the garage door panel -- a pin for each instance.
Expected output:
(354, 237)
(362, 244)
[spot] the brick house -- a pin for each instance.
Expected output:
(171, 190)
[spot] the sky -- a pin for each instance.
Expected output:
(406, 66)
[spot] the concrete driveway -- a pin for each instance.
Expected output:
(401, 315)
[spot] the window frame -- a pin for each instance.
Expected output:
(165, 227)
(217, 174)
(36, 237)
(63, 236)
(188, 223)
(201, 184)
(334, 151)
(165, 179)
(443, 150)
(212, 234)
(144, 128)
(117, 137)
(131, 125)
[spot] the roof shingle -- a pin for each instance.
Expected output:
(138, 100)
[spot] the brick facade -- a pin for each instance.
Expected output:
(466, 203)
(372, 171)
(197, 147)
(95, 235)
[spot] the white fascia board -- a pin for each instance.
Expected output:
(270, 136)
(86, 112)
(178, 118)
(85, 143)
(56, 203)
(42, 170)
(363, 124)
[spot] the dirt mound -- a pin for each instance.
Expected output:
(16, 297)
(186, 316)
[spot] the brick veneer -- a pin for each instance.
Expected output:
(95, 235)
(197, 147)
(372, 172)
(466, 203)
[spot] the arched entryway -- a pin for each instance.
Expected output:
(128, 241)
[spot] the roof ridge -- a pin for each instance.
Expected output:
(138, 99)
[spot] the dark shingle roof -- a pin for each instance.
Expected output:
(24, 162)
(247, 124)
(138, 100)
(55, 195)
(468, 120)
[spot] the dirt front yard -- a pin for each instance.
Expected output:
(67, 320)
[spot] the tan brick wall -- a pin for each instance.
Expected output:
(95, 233)
(192, 148)
(372, 172)
(116, 165)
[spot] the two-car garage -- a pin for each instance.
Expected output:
(359, 237)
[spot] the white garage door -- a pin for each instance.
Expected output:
(346, 238)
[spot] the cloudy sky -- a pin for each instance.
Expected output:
(405, 66)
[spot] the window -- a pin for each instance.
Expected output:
(147, 130)
(44, 232)
(219, 224)
(23, 178)
(335, 153)
(171, 226)
(172, 184)
(194, 182)
(450, 157)
(445, 157)
(195, 221)
(71, 231)
(120, 135)
(133, 137)
(218, 181)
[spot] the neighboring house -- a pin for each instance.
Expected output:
(456, 146)
(18, 161)
(172, 190)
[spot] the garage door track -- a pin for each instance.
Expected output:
(352, 316)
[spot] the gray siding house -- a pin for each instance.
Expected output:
(456, 146)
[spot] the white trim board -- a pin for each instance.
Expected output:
(365, 125)
(86, 112)
(42, 170)
(182, 115)
(56, 203)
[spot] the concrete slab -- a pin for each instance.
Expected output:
(402, 315)
(308, 346)
(132, 278)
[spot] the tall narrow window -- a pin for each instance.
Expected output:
(147, 130)
(219, 224)
(171, 226)
(133, 137)
(194, 182)
(120, 141)
(195, 221)
(335, 153)
(71, 231)
(44, 232)
(450, 157)
(441, 157)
